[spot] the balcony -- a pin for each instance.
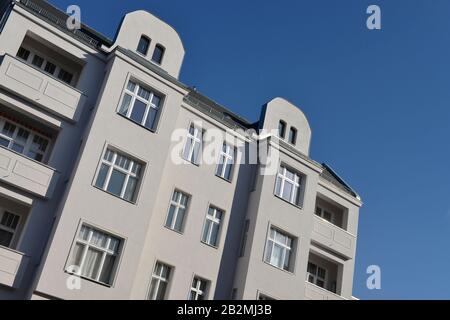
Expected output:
(313, 292)
(27, 174)
(41, 89)
(333, 237)
(12, 267)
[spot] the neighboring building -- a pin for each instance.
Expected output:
(88, 177)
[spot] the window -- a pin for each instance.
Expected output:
(144, 44)
(199, 289)
(8, 227)
(324, 214)
(65, 76)
(158, 54)
(211, 229)
(141, 105)
(160, 282)
(23, 54)
(22, 140)
(279, 250)
(282, 129)
(288, 186)
(293, 136)
(95, 254)
(37, 61)
(316, 275)
(193, 147)
(226, 161)
(48, 67)
(177, 211)
(119, 175)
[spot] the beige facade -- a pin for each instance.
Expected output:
(101, 197)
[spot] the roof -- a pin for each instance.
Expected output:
(331, 176)
(58, 18)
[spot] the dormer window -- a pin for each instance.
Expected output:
(144, 44)
(293, 136)
(282, 129)
(158, 54)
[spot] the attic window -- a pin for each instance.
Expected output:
(293, 136)
(282, 129)
(144, 44)
(158, 54)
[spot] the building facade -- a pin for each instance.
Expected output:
(105, 193)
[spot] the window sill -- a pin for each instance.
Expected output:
(115, 196)
(180, 233)
(279, 269)
(210, 245)
(136, 123)
(109, 286)
(290, 203)
(224, 179)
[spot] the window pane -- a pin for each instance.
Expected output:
(143, 45)
(151, 119)
(4, 142)
(220, 167)
(125, 104)
(116, 182)
(50, 68)
(130, 190)
(77, 254)
(187, 149)
(107, 271)
(102, 176)
(5, 238)
(37, 61)
(99, 239)
(23, 53)
(9, 129)
(214, 234)
(287, 192)
(17, 147)
(206, 231)
(277, 255)
(158, 54)
(180, 219)
(131, 86)
(65, 76)
(138, 112)
(170, 216)
(228, 169)
(196, 156)
(91, 264)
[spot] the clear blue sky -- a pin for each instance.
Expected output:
(378, 103)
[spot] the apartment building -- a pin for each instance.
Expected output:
(101, 199)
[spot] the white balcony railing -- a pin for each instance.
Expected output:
(26, 174)
(36, 86)
(12, 267)
(333, 237)
(313, 292)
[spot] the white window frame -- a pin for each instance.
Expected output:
(296, 185)
(197, 288)
(196, 138)
(148, 103)
(288, 251)
(10, 230)
(316, 277)
(58, 68)
(129, 173)
(228, 158)
(214, 221)
(86, 245)
(160, 279)
(178, 205)
(27, 147)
